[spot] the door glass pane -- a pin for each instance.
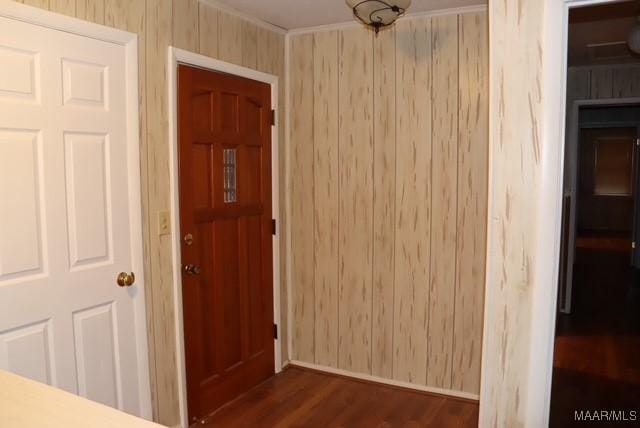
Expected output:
(229, 171)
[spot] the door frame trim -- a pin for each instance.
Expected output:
(54, 21)
(180, 56)
(536, 351)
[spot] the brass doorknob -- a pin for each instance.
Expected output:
(126, 279)
(192, 269)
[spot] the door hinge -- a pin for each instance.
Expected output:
(273, 226)
(273, 117)
(275, 331)
(633, 245)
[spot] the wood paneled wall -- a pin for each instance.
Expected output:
(198, 27)
(516, 141)
(389, 146)
(603, 81)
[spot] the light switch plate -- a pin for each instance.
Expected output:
(164, 223)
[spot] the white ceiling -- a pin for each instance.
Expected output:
(294, 14)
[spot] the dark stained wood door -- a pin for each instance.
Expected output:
(226, 235)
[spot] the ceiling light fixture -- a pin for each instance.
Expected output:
(634, 38)
(378, 13)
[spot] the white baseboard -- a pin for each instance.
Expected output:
(376, 379)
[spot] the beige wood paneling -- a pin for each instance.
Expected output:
(128, 15)
(444, 193)
(302, 191)
(413, 199)
(355, 172)
(186, 25)
(249, 45)
(268, 45)
(412, 131)
(601, 82)
(158, 38)
(65, 7)
(325, 167)
(90, 10)
(230, 38)
(515, 132)
(43, 4)
(276, 52)
(384, 202)
(472, 201)
(209, 19)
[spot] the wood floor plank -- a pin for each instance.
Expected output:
(595, 354)
(300, 397)
(258, 404)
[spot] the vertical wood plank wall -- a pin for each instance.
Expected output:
(389, 143)
(444, 203)
(603, 81)
(325, 202)
(413, 199)
(355, 173)
(472, 201)
(302, 193)
(384, 202)
(515, 159)
(197, 27)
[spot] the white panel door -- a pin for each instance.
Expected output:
(65, 216)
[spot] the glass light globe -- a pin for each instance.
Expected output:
(378, 12)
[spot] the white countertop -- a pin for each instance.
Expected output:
(25, 403)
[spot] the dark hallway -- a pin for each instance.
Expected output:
(597, 346)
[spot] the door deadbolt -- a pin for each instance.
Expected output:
(188, 239)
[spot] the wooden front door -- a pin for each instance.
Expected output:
(226, 235)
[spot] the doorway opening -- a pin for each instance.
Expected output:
(598, 321)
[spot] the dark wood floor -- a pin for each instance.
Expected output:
(597, 348)
(304, 398)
